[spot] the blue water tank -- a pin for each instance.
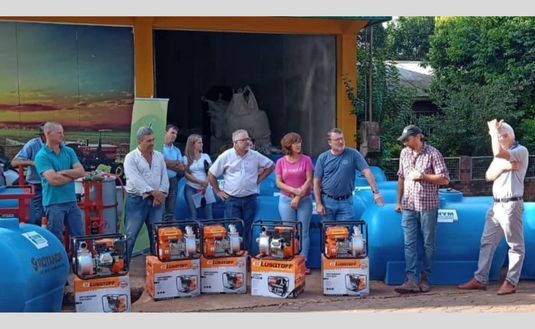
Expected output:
(528, 269)
(34, 268)
(268, 186)
(364, 197)
(315, 250)
(457, 242)
(377, 172)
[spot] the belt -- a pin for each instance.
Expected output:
(516, 198)
(338, 198)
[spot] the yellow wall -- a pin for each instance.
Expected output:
(344, 30)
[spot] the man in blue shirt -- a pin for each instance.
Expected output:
(59, 167)
(26, 158)
(334, 177)
(175, 169)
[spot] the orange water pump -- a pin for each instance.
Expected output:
(218, 242)
(340, 244)
(174, 244)
(278, 242)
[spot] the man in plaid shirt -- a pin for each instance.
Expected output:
(421, 171)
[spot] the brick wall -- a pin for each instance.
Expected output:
(481, 187)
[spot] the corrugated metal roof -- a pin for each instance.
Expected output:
(412, 74)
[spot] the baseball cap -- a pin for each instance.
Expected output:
(410, 130)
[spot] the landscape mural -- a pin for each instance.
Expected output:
(81, 76)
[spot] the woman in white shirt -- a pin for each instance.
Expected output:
(197, 185)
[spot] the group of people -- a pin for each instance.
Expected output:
(152, 179)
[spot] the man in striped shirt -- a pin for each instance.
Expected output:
(421, 171)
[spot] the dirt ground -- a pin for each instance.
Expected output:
(382, 299)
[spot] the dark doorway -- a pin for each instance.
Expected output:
(293, 78)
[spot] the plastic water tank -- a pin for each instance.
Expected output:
(528, 269)
(377, 172)
(457, 242)
(34, 268)
(268, 186)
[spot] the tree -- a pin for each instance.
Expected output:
(484, 69)
(407, 38)
(390, 101)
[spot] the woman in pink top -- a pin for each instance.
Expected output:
(293, 174)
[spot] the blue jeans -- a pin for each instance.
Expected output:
(170, 200)
(337, 210)
(36, 205)
(426, 223)
(303, 214)
(245, 209)
(138, 211)
(64, 214)
(188, 192)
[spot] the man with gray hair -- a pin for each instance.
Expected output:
(243, 170)
(334, 178)
(504, 218)
(146, 188)
(59, 167)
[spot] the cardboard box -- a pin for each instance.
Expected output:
(278, 278)
(345, 276)
(224, 275)
(102, 294)
(179, 278)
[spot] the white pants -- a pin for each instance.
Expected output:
(503, 219)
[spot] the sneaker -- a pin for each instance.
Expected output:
(424, 283)
(307, 271)
(407, 287)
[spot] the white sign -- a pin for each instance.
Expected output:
(447, 216)
(36, 239)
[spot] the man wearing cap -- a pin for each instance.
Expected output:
(504, 218)
(334, 178)
(421, 171)
(26, 158)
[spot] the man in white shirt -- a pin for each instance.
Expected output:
(243, 170)
(146, 189)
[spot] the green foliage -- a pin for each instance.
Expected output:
(461, 128)
(484, 69)
(391, 102)
(407, 38)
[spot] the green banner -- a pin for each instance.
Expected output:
(148, 112)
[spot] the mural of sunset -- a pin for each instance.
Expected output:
(81, 76)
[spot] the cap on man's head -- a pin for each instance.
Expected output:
(410, 130)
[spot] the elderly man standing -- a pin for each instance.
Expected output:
(334, 179)
(504, 218)
(146, 188)
(26, 158)
(243, 169)
(421, 171)
(175, 169)
(59, 168)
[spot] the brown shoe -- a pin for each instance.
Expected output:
(507, 288)
(473, 284)
(407, 287)
(424, 283)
